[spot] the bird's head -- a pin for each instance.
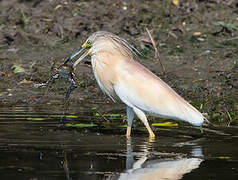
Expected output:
(103, 41)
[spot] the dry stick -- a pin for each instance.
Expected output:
(156, 50)
(234, 38)
(103, 116)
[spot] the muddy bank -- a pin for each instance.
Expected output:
(197, 41)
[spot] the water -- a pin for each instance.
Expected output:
(35, 145)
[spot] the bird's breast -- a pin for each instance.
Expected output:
(104, 73)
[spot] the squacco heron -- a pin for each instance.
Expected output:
(120, 76)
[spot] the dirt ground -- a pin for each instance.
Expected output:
(197, 41)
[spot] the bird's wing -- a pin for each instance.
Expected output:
(138, 87)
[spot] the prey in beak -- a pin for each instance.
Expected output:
(66, 71)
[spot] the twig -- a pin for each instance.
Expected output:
(230, 39)
(229, 116)
(103, 116)
(156, 50)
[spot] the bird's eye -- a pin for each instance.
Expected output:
(87, 44)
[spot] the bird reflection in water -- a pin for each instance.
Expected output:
(169, 169)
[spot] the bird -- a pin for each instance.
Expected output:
(160, 169)
(120, 76)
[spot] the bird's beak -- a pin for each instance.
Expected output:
(78, 51)
(83, 56)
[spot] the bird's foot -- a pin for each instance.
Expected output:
(152, 135)
(128, 131)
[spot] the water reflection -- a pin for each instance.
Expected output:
(157, 169)
(66, 166)
(40, 149)
(144, 151)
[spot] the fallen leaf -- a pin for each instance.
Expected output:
(80, 125)
(34, 119)
(197, 33)
(17, 68)
(24, 81)
(71, 116)
(47, 19)
(57, 7)
(165, 124)
(176, 2)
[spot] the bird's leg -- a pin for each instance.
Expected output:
(130, 116)
(141, 115)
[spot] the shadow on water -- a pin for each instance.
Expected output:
(35, 145)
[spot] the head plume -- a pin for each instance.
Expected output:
(119, 43)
